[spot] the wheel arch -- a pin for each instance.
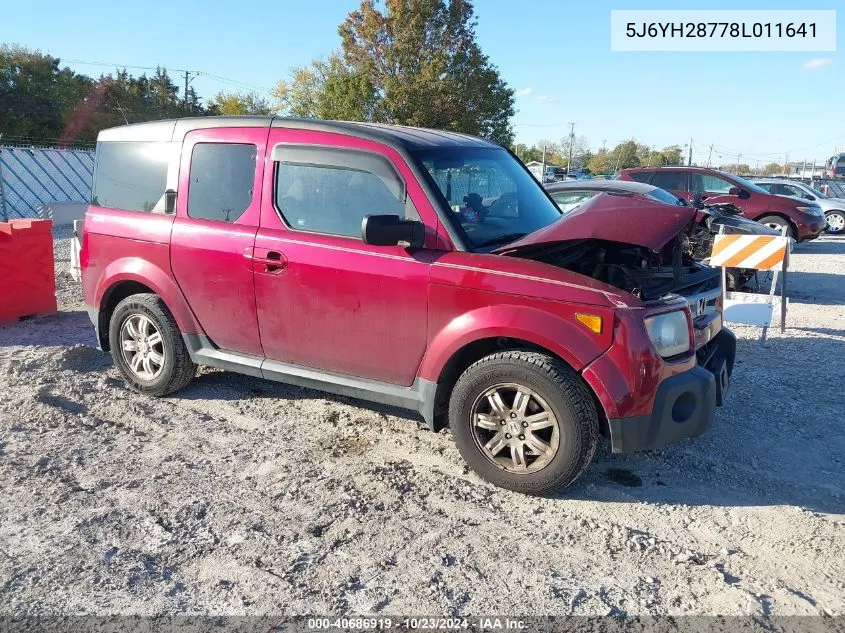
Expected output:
(780, 215)
(474, 351)
(125, 278)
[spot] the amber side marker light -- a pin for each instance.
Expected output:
(592, 321)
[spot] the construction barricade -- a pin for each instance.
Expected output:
(75, 268)
(27, 276)
(757, 252)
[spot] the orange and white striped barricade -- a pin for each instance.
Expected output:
(757, 252)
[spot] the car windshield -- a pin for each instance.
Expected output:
(490, 196)
(816, 192)
(661, 195)
(747, 184)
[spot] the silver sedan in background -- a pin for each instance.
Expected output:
(833, 208)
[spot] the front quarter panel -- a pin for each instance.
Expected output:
(460, 316)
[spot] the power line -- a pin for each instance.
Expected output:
(225, 80)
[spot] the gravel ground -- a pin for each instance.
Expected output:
(242, 496)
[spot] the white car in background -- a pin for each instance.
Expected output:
(833, 208)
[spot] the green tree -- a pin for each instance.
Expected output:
(416, 62)
(672, 155)
(625, 155)
(772, 168)
(327, 89)
(234, 103)
(38, 96)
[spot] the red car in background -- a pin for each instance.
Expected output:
(803, 220)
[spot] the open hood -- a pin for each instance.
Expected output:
(613, 218)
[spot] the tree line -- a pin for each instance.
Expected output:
(629, 153)
(412, 62)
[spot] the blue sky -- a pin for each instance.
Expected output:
(555, 54)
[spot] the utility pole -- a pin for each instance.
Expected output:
(604, 145)
(737, 164)
(543, 173)
(689, 160)
(571, 141)
(709, 155)
(189, 77)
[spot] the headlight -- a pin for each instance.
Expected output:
(811, 210)
(669, 333)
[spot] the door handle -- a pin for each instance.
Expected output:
(268, 262)
(273, 262)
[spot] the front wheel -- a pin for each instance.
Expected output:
(777, 223)
(524, 421)
(835, 222)
(147, 347)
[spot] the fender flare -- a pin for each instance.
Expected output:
(569, 340)
(157, 280)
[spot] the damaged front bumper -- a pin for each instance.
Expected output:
(684, 405)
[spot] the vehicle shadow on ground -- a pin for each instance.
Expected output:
(769, 445)
(61, 328)
(828, 245)
(229, 386)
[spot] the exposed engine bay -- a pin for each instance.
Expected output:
(635, 269)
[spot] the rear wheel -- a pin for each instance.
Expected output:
(835, 222)
(777, 223)
(147, 347)
(524, 421)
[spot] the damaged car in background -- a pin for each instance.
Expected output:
(710, 219)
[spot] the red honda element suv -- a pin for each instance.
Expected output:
(426, 270)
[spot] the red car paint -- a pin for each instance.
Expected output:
(614, 219)
(756, 206)
(390, 314)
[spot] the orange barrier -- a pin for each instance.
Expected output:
(27, 276)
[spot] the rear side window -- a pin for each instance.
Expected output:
(641, 176)
(131, 176)
(222, 179)
(325, 190)
(670, 180)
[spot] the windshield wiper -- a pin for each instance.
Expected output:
(502, 239)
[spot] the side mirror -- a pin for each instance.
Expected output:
(808, 196)
(742, 194)
(389, 230)
(170, 201)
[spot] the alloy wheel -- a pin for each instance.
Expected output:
(835, 222)
(515, 428)
(142, 346)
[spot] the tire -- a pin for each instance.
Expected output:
(776, 222)
(550, 386)
(162, 365)
(838, 222)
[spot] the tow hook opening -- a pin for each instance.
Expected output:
(684, 407)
